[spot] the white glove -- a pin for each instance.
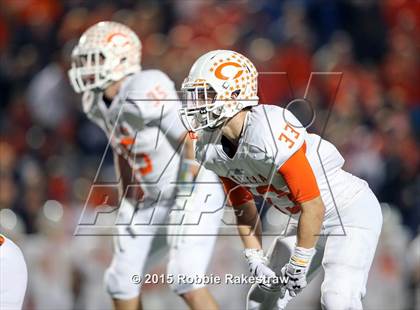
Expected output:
(90, 101)
(89, 98)
(296, 270)
(257, 263)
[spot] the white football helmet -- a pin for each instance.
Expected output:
(105, 53)
(220, 84)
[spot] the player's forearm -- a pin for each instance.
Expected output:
(118, 174)
(249, 225)
(189, 156)
(188, 147)
(310, 223)
(250, 239)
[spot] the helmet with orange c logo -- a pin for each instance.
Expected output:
(105, 53)
(220, 84)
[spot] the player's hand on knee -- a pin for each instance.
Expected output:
(257, 263)
(296, 279)
(295, 270)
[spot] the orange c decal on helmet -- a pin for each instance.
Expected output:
(118, 38)
(218, 72)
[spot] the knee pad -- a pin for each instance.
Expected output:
(184, 282)
(121, 283)
(343, 287)
(335, 299)
(187, 265)
(185, 287)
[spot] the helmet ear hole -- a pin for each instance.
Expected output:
(235, 94)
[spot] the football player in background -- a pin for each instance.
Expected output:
(264, 150)
(138, 111)
(13, 275)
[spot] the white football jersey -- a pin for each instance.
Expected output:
(142, 124)
(270, 138)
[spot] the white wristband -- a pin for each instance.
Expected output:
(302, 256)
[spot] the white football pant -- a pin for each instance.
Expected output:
(191, 244)
(13, 275)
(345, 252)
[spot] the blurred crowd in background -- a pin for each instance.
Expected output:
(366, 96)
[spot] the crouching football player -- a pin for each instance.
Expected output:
(145, 135)
(264, 150)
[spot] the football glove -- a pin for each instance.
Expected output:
(295, 270)
(257, 263)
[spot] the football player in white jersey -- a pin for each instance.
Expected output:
(13, 275)
(138, 110)
(264, 150)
